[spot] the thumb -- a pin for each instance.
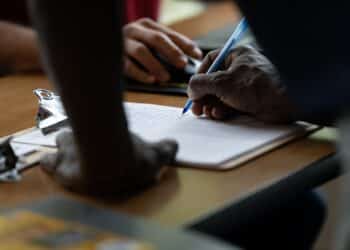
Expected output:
(166, 150)
(208, 61)
(65, 138)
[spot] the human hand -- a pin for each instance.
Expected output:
(144, 36)
(66, 168)
(19, 52)
(247, 82)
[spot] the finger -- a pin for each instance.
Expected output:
(134, 72)
(199, 86)
(49, 163)
(217, 84)
(208, 61)
(197, 108)
(207, 110)
(212, 107)
(221, 112)
(161, 43)
(65, 138)
(143, 55)
(217, 113)
(188, 46)
(166, 150)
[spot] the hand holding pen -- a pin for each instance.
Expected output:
(230, 44)
(247, 83)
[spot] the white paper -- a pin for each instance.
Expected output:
(36, 137)
(23, 149)
(202, 142)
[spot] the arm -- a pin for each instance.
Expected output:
(83, 57)
(18, 49)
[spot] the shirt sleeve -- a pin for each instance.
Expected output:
(14, 11)
(309, 44)
(136, 9)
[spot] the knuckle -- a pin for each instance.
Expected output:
(194, 83)
(160, 37)
(145, 21)
(188, 45)
(128, 29)
(212, 55)
(245, 50)
(140, 49)
(245, 67)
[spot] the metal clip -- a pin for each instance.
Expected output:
(8, 162)
(51, 115)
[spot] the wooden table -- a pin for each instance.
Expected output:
(185, 196)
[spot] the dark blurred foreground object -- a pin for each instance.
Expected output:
(83, 57)
(15, 11)
(307, 42)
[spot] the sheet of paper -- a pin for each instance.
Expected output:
(23, 149)
(36, 137)
(202, 142)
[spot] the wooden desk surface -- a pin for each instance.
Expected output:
(183, 196)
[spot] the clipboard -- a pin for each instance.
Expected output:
(179, 89)
(259, 138)
(34, 158)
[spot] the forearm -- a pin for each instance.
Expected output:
(18, 49)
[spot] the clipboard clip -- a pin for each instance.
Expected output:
(51, 115)
(12, 165)
(9, 162)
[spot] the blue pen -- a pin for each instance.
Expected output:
(232, 41)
